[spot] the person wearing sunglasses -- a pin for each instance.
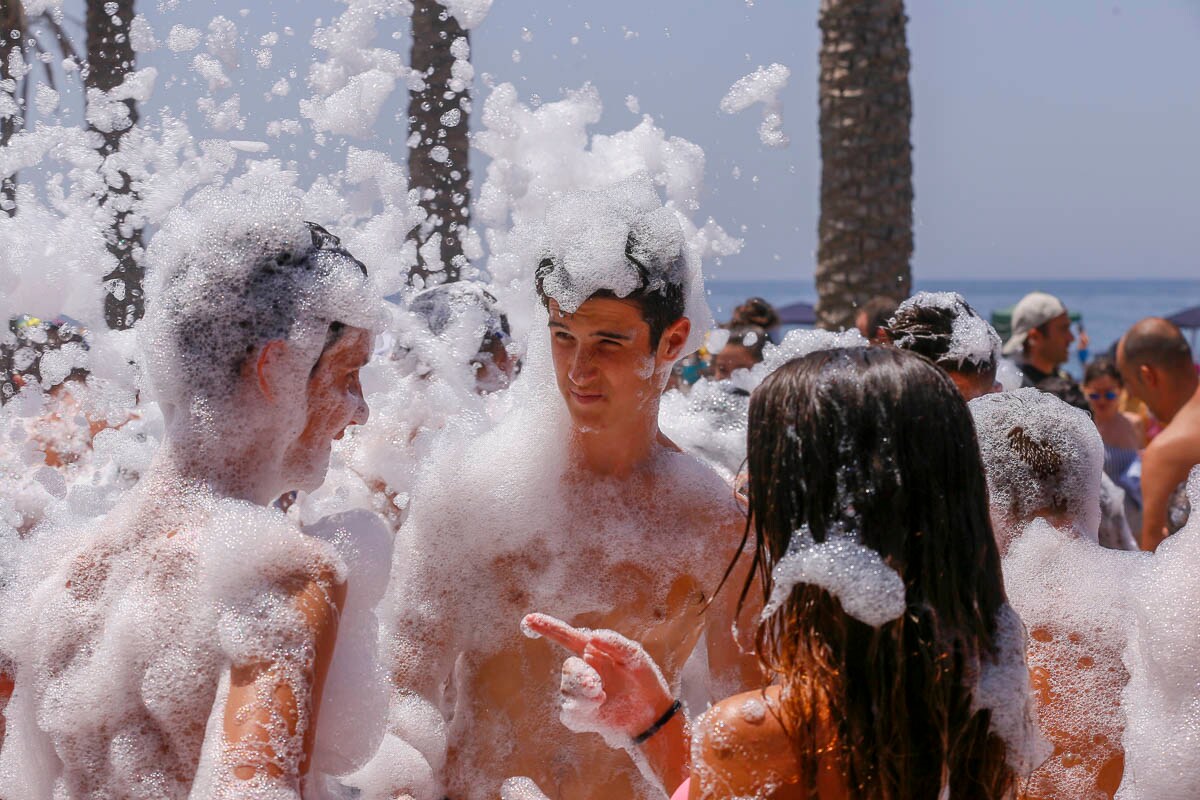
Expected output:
(1123, 433)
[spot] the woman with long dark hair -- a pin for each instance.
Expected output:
(896, 666)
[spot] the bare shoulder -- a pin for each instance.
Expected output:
(698, 490)
(741, 743)
(1176, 447)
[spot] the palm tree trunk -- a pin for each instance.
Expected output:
(109, 58)
(437, 119)
(866, 227)
(12, 20)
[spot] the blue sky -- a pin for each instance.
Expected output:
(1051, 139)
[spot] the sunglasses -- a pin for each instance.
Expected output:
(1105, 395)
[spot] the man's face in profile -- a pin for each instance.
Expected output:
(1053, 339)
(334, 403)
(605, 366)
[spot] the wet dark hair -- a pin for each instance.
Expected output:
(1102, 367)
(661, 300)
(271, 280)
(755, 311)
(928, 330)
(878, 440)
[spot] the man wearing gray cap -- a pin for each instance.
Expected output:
(1041, 337)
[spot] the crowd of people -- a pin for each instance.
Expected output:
(879, 595)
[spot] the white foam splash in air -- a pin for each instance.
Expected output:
(764, 85)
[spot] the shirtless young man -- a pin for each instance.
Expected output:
(599, 512)
(1156, 363)
(179, 648)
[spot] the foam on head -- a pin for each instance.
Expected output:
(942, 327)
(233, 270)
(453, 322)
(1042, 458)
(620, 240)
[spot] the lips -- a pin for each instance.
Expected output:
(586, 398)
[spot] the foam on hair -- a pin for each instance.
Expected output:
(233, 270)
(1041, 457)
(620, 240)
(942, 327)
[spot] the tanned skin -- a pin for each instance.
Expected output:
(1169, 390)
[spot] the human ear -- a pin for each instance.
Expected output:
(268, 367)
(674, 338)
(1147, 376)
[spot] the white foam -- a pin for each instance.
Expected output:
(1161, 701)
(1042, 457)
(867, 588)
(972, 339)
(1068, 591)
(521, 789)
(764, 85)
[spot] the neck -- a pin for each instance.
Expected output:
(1042, 363)
(617, 451)
(1185, 392)
(239, 474)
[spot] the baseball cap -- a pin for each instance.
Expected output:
(1034, 310)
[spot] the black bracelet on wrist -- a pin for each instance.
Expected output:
(659, 723)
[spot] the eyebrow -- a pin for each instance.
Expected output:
(624, 337)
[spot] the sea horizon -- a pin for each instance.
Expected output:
(1107, 306)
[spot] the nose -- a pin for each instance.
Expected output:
(581, 370)
(362, 412)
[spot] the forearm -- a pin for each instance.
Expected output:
(1156, 495)
(1154, 531)
(669, 752)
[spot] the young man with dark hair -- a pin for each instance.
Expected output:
(944, 328)
(1041, 337)
(179, 648)
(1157, 366)
(593, 513)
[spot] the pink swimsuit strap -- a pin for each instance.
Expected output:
(682, 792)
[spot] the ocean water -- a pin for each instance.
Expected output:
(1107, 307)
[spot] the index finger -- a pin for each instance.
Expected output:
(557, 631)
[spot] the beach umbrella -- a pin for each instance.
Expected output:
(1188, 319)
(800, 313)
